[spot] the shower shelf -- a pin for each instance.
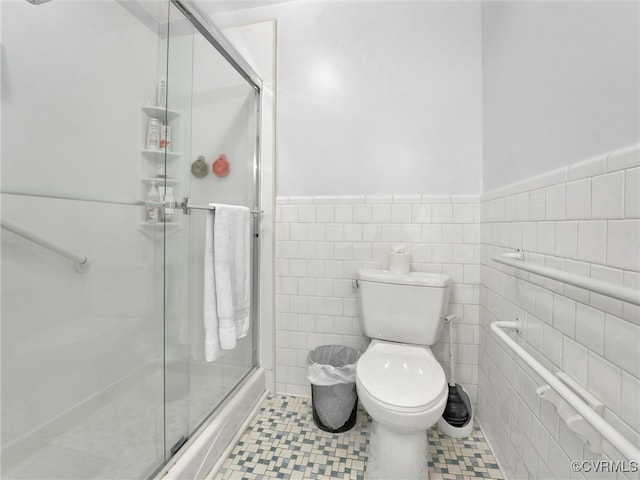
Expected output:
(160, 154)
(156, 162)
(161, 113)
(168, 181)
(156, 230)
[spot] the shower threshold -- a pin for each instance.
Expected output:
(60, 449)
(203, 454)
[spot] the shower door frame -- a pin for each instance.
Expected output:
(222, 45)
(217, 39)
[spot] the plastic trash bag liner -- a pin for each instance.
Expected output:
(332, 373)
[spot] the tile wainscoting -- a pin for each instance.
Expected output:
(582, 219)
(322, 241)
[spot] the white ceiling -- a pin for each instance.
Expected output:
(154, 12)
(215, 6)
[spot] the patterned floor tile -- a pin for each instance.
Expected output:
(283, 442)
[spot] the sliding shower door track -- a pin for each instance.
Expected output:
(178, 444)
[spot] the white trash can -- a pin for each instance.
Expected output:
(331, 369)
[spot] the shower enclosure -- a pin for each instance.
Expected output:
(103, 368)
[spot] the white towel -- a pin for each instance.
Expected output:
(226, 278)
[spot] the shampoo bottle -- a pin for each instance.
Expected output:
(168, 212)
(153, 134)
(165, 137)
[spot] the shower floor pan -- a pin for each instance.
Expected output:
(107, 436)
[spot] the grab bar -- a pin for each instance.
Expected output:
(79, 262)
(600, 424)
(619, 292)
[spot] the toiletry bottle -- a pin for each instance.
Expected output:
(161, 191)
(165, 137)
(152, 210)
(168, 197)
(153, 134)
(162, 92)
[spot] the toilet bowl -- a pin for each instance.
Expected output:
(404, 390)
(400, 383)
(401, 386)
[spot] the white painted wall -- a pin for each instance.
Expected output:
(382, 99)
(560, 84)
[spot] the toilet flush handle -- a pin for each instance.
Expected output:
(354, 283)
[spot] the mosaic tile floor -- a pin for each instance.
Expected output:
(283, 442)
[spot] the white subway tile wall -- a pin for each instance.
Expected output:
(583, 219)
(322, 241)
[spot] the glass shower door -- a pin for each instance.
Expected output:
(224, 132)
(178, 338)
(217, 112)
(82, 370)
(103, 371)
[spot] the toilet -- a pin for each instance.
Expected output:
(399, 382)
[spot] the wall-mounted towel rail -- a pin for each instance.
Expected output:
(612, 290)
(79, 262)
(614, 437)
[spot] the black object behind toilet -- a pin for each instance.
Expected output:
(456, 412)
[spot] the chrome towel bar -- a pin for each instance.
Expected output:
(186, 207)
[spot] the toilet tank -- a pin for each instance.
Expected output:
(403, 307)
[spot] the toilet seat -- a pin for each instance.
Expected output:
(401, 378)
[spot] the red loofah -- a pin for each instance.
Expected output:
(221, 166)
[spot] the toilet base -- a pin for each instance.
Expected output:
(396, 455)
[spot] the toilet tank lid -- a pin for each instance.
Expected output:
(419, 279)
